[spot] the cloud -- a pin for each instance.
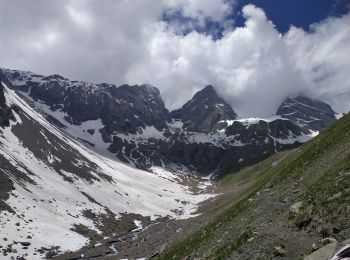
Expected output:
(253, 67)
(249, 65)
(91, 40)
(216, 10)
(323, 58)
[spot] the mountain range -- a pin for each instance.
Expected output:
(83, 163)
(205, 136)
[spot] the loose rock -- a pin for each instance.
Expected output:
(295, 208)
(279, 251)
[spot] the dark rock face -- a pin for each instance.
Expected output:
(252, 142)
(5, 111)
(308, 112)
(204, 136)
(204, 112)
(239, 145)
(127, 109)
(123, 109)
(262, 131)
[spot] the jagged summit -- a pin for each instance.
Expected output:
(203, 112)
(306, 111)
(205, 92)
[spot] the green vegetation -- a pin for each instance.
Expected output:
(225, 251)
(252, 173)
(267, 170)
(321, 166)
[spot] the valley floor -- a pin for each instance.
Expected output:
(154, 237)
(126, 235)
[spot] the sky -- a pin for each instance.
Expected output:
(255, 53)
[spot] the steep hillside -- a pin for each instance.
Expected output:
(57, 196)
(296, 203)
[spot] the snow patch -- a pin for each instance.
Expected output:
(145, 133)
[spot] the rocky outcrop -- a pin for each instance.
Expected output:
(325, 252)
(5, 111)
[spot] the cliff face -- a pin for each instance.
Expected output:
(5, 111)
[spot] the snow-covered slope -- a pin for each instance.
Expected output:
(57, 182)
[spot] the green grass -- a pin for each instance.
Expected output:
(289, 167)
(318, 198)
(238, 206)
(251, 173)
(312, 151)
(225, 251)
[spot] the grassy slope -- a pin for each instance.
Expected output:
(319, 167)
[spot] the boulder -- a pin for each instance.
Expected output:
(323, 253)
(279, 251)
(335, 196)
(295, 208)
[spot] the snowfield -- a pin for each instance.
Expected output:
(50, 206)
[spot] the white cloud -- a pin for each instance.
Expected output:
(253, 67)
(201, 9)
(323, 58)
(246, 61)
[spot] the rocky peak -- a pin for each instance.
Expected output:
(129, 108)
(204, 112)
(308, 112)
(204, 93)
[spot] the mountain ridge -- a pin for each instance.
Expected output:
(131, 122)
